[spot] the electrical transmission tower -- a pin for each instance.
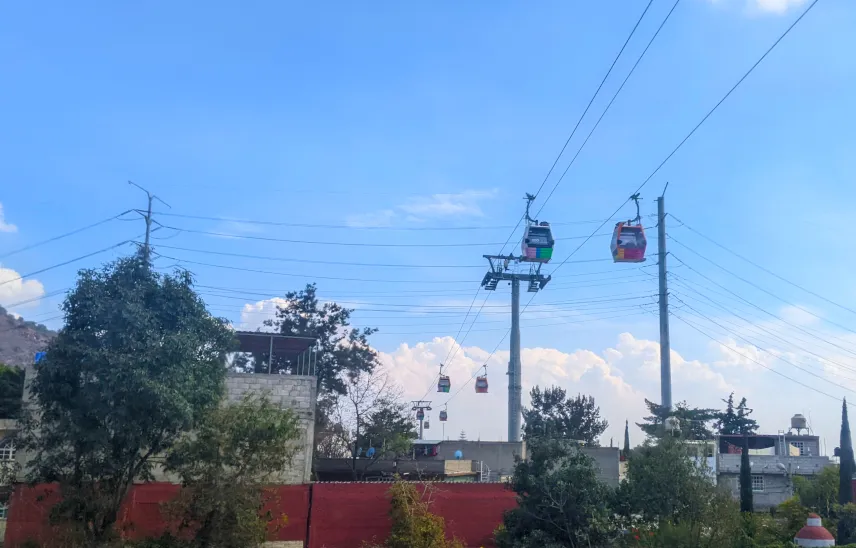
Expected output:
(499, 271)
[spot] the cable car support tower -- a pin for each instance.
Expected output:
(499, 271)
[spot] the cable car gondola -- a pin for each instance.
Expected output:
(444, 416)
(628, 240)
(481, 382)
(444, 384)
(538, 242)
(420, 415)
(427, 425)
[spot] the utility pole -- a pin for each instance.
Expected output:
(665, 346)
(421, 406)
(536, 281)
(147, 216)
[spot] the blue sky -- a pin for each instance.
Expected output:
(406, 117)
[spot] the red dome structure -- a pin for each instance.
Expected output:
(814, 534)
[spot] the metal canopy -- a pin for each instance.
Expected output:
(282, 345)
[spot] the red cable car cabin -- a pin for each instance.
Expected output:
(628, 243)
(420, 415)
(443, 416)
(481, 385)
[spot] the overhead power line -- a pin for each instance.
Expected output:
(74, 260)
(767, 270)
(64, 235)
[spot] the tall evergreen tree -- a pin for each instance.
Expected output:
(694, 421)
(746, 502)
(845, 474)
(554, 415)
(626, 450)
(733, 421)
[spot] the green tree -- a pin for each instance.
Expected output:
(694, 421)
(139, 361)
(819, 492)
(625, 452)
(733, 421)
(225, 466)
(845, 474)
(561, 502)
(553, 415)
(11, 391)
(664, 485)
(746, 502)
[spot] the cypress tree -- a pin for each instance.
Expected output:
(746, 502)
(626, 450)
(845, 475)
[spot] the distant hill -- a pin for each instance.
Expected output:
(20, 339)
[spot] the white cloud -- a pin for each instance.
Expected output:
(421, 208)
(13, 290)
(4, 226)
(777, 6)
(253, 315)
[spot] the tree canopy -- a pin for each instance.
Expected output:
(694, 421)
(733, 420)
(553, 415)
(11, 391)
(138, 363)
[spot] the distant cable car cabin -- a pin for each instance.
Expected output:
(444, 416)
(420, 415)
(538, 242)
(628, 240)
(481, 382)
(427, 425)
(444, 384)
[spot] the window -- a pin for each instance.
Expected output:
(757, 483)
(801, 446)
(7, 450)
(4, 510)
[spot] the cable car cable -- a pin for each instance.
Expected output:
(756, 265)
(611, 101)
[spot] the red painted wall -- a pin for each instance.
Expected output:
(342, 514)
(346, 514)
(140, 516)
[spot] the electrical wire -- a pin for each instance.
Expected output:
(611, 101)
(756, 265)
(779, 373)
(64, 235)
(346, 244)
(114, 246)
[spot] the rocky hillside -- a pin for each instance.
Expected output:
(20, 339)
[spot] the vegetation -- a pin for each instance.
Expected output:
(735, 421)
(413, 524)
(370, 422)
(694, 421)
(746, 499)
(846, 531)
(139, 362)
(11, 391)
(554, 415)
(225, 467)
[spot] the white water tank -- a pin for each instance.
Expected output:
(798, 422)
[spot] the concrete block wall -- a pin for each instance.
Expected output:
(296, 392)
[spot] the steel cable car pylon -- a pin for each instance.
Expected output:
(537, 246)
(628, 240)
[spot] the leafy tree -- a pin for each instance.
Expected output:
(694, 421)
(554, 415)
(11, 391)
(225, 466)
(561, 502)
(370, 415)
(819, 492)
(664, 485)
(139, 362)
(845, 474)
(746, 503)
(733, 420)
(342, 350)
